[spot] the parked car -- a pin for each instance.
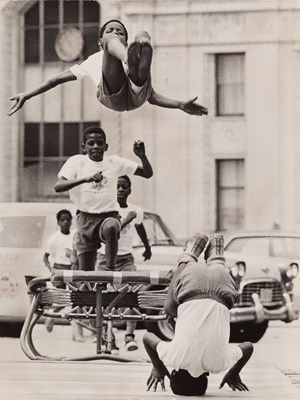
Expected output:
(24, 230)
(264, 267)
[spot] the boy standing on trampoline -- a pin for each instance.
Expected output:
(200, 296)
(91, 180)
(122, 77)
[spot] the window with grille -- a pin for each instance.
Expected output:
(230, 194)
(230, 84)
(45, 19)
(46, 147)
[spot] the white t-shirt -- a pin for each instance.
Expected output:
(95, 197)
(201, 341)
(127, 233)
(57, 246)
(92, 68)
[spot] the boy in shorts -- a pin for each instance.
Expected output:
(91, 180)
(200, 296)
(131, 221)
(122, 76)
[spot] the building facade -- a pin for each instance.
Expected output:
(237, 168)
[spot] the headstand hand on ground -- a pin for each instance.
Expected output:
(122, 77)
(199, 296)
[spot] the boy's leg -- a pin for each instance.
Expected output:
(140, 58)
(109, 233)
(130, 343)
(87, 261)
(214, 253)
(193, 248)
(112, 68)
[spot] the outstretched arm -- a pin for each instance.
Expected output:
(159, 371)
(190, 107)
(143, 236)
(63, 184)
(145, 170)
(20, 98)
(232, 378)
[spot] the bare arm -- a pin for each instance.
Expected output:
(159, 370)
(144, 170)
(20, 98)
(189, 106)
(232, 378)
(63, 184)
(171, 305)
(129, 217)
(143, 236)
(46, 261)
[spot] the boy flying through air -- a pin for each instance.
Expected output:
(91, 180)
(122, 77)
(200, 296)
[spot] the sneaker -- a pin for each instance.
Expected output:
(195, 245)
(215, 247)
(130, 343)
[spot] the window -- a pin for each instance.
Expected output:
(46, 147)
(54, 121)
(250, 245)
(230, 86)
(230, 194)
(45, 19)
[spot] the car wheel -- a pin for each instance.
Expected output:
(11, 329)
(164, 329)
(247, 331)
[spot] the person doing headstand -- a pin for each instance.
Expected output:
(199, 296)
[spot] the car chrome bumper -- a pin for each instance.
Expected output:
(288, 312)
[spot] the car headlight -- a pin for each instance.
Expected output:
(238, 270)
(292, 271)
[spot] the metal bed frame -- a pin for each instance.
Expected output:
(94, 300)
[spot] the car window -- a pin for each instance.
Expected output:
(22, 231)
(285, 247)
(258, 246)
(156, 232)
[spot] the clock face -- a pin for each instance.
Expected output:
(69, 44)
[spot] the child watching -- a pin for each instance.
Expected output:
(59, 245)
(91, 180)
(58, 256)
(122, 77)
(131, 221)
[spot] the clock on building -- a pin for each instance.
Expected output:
(69, 44)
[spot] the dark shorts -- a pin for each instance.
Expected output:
(125, 99)
(123, 263)
(89, 227)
